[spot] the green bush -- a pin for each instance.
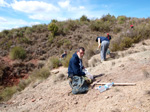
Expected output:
(7, 93)
(23, 84)
(23, 40)
(115, 47)
(54, 21)
(66, 60)
(17, 53)
(100, 26)
(8, 45)
(51, 38)
(42, 73)
(71, 25)
(84, 18)
(53, 28)
(121, 19)
(94, 26)
(126, 42)
(109, 18)
(54, 62)
(28, 31)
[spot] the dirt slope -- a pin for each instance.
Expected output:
(53, 95)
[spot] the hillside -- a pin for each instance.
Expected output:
(38, 43)
(53, 94)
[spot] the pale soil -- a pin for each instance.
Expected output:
(52, 95)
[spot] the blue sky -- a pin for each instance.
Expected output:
(19, 13)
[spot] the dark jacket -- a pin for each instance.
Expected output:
(74, 67)
(103, 39)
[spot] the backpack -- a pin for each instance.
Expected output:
(96, 39)
(109, 37)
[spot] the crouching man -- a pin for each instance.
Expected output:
(77, 79)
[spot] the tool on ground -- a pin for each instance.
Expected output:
(118, 84)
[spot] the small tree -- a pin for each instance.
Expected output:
(53, 28)
(84, 18)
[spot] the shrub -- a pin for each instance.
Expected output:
(94, 26)
(126, 43)
(23, 84)
(121, 19)
(115, 47)
(108, 18)
(42, 73)
(39, 28)
(23, 40)
(51, 38)
(100, 26)
(7, 93)
(71, 25)
(66, 60)
(54, 21)
(54, 62)
(28, 31)
(8, 44)
(17, 53)
(84, 18)
(53, 28)
(5, 32)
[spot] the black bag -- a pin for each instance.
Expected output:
(109, 37)
(97, 39)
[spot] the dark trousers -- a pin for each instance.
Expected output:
(78, 85)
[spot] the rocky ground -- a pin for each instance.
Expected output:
(54, 93)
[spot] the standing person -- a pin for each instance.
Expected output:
(75, 74)
(103, 42)
(64, 54)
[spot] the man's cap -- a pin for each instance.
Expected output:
(107, 33)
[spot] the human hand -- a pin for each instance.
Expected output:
(99, 46)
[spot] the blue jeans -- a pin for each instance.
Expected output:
(104, 47)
